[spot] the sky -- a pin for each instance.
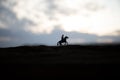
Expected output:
(44, 21)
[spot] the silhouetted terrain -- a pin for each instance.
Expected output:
(71, 61)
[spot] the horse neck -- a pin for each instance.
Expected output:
(65, 39)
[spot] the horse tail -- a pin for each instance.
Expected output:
(58, 43)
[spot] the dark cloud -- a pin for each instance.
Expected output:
(23, 38)
(53, 8)
(10, 20)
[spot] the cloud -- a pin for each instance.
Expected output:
(93, 6)
(46, 14)
(117, 32)
(42, 16)
(105, 41)
(5, 39)
(77, 41)
(28, 21)
(20, 37)
(9, 20)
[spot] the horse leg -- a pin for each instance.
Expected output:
(59, 43)
(66, 43)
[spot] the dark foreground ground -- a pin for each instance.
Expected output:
(68, 61)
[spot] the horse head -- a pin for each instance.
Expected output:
(66, 37)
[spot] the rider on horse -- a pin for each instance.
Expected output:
(63, 40)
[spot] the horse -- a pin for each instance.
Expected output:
(60, 43)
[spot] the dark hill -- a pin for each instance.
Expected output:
(72, 60)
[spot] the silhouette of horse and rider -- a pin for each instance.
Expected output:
(63, 41)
